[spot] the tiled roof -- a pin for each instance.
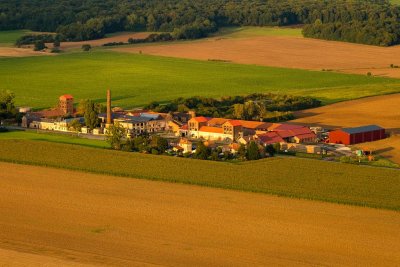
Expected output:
(234, 122)
(49, 113)
(217, 121)
(286, 127)
(201, 119)
(184, 127)
(210, 129)
(362, 129)
(64, 97)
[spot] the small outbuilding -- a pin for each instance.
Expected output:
(350, 136)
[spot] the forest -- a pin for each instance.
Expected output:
(261, 107)
(374, 22)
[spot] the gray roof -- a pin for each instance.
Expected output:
(362, 129)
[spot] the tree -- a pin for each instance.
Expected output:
(253, 152)
(277, 147)
(270, 150)
(39, 45)
(238, 111)
(86, 47)
(115, 135)
(159, 143)
(7, 106)
(202, 152)
(242, 151)
(75, 125)
(91, 114)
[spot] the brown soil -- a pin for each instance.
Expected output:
(52, 215)
(118, 38)
(380, 110)
(285, 51)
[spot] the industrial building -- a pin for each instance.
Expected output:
(350, 136)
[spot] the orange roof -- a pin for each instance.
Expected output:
(64, 97)
(210, 129)
(235, 122)
(217, 121)
(201, 119)
(254, 124)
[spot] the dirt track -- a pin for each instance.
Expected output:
(58, 216)
(285, 51)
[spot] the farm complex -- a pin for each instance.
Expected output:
(183, 132)
(199, 133)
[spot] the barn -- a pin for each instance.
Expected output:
(350, 136)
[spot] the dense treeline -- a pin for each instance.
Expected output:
(364, 21)
(266, 107)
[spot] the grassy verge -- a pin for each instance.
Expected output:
(290, 177)
(137, 79)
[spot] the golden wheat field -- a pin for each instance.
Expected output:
(52, 216)
(284, 51)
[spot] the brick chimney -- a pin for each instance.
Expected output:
(109, 107)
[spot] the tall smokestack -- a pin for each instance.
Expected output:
(108, 107)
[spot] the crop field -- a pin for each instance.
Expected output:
(282, 47)
(8, 38)
(53, 217)
(318, 180)
(56, 138)
(136, 80)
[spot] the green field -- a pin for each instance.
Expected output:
(138, 79)
(250, 31)
(49, 137)
(292, 177)
(396, 2)
(8, 38)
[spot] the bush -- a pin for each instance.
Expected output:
(86, 47)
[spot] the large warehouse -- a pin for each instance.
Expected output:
(350, 136)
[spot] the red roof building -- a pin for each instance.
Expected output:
(350, 136)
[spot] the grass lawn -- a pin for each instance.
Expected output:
(8, 38)
(292, 177)
(49, 137)
(138, 79)
(396, 2)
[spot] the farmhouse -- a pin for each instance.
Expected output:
(350, 136)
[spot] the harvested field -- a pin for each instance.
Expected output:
(118, 37)
(380, 110)
(52, 215)
(284, 51)
(20, 52)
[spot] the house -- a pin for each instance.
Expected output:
(350, 136)
(186, 145)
